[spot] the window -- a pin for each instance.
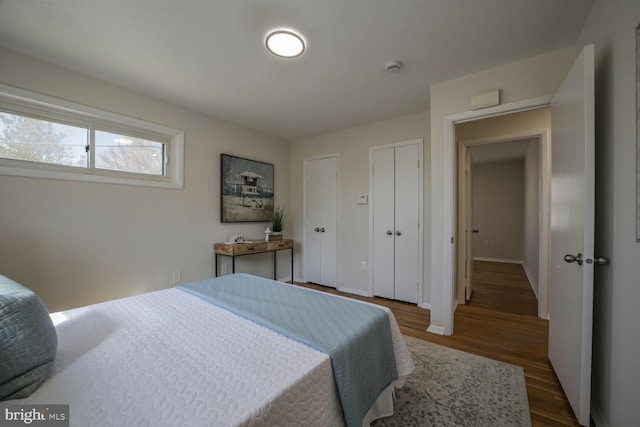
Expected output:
(46, 137)
(35, 140)
(128, 154)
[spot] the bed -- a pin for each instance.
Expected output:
(172, 357)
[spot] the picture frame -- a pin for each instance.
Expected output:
(246, 189)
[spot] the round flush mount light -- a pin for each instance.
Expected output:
(285, 43)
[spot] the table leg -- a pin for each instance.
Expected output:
(275, 265)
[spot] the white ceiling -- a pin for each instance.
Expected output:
(209, 55)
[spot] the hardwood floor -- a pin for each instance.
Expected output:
(500, 323)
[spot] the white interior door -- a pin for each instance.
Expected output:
(321, 220)
(313, 220)
(329, 222)
(468, 289)
(464, 259)
(383, 218)
(407, 232)
(572, 233)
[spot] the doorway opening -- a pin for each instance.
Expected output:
(503, 195)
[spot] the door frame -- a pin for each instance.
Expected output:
(420, 143)
(304, 214)
(449, 186)
(544, 181)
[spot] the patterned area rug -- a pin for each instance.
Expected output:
(454, 388)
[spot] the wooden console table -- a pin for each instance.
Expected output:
(234, 250)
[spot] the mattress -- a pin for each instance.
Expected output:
(167, 358)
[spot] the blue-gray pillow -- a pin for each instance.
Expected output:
(28, 341)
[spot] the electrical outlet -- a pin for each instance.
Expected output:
(177, 276)
(363, 266)
(223, 268)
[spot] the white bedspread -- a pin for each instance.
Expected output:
(168, 358)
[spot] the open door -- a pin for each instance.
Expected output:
(469, 219)
(572, 233)
(464, 272)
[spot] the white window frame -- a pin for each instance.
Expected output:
(18, 101)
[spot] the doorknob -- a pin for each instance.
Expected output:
(398, 233)
(476, 231)
(322, 230)
(389, 233)
(573, 258)
(316, 229)
(599, 260)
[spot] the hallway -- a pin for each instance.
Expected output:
(502, 287)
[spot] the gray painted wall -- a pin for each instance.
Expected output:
(498, 210)
(77, 243)
(616, 336)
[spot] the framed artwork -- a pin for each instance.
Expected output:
(246, 193)
(638, 133)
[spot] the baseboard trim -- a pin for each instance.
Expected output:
(533, 288)
(354, 292)
(596, 416)
(425, 305)
(438, 330)
(508, 261)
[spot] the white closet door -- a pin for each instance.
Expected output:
(382, 200)
(321, 221)
(313, 218)
(395, 212)
(407, 234)
(329, 222)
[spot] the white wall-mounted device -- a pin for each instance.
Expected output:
(489, 98)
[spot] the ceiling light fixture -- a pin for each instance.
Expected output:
(285, 43)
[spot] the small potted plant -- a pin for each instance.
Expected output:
(277, 219)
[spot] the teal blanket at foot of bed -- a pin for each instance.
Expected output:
(356, 336)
